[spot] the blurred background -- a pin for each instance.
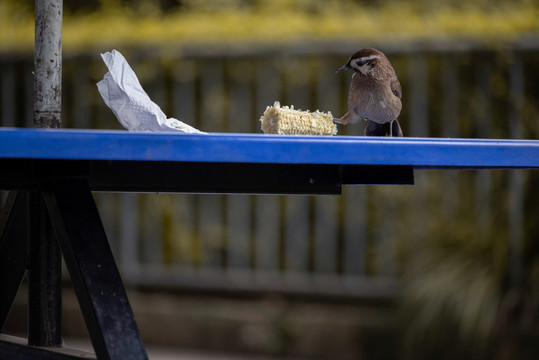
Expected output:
(447, 268)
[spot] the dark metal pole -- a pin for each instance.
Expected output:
(44, 281)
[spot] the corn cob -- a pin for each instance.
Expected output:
(283, 120)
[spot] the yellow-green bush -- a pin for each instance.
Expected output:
(143, 23)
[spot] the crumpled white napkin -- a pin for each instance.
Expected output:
(134, 109)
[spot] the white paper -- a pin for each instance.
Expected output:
(134, 109)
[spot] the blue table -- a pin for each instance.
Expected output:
(60, 168)
(266, 149)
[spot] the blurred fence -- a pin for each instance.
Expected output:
(357, 244)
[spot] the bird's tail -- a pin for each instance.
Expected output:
(391, 128)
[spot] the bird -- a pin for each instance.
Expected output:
(375, 94)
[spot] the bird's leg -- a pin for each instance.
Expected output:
(343, 120)
(348, 118)
(396, 128)
(391, 128)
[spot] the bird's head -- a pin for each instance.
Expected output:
(363, 61)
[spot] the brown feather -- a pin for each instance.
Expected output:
(375, 93)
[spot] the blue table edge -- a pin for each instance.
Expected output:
(122, 145)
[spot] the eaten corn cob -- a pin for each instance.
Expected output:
(286, 120)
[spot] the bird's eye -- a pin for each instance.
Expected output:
(361, 63)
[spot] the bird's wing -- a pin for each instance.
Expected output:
(396, 87)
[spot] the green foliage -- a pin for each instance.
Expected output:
(458, 294)
(143, 23)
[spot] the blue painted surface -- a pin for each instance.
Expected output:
(258, 148)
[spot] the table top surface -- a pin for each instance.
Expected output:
(66, 144)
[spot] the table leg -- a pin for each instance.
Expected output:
(90, 262)
(45, 277)
(13, 250)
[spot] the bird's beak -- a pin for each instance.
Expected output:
(344, 68)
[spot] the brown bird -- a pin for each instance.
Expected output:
(374, 95)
